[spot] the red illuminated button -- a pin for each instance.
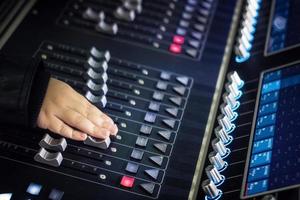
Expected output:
(127, 181)
(175, 48)
(178, 39)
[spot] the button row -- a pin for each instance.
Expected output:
(223, 138)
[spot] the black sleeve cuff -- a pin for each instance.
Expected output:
(37, 94)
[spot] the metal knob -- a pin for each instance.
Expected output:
(124, 14)
(223, 136)
(230, 100)
(50, 143)
(98, 78)
(225, 123)
(90, 14)
(101, 144)
(98, 66)
(235, 78)
(210, 189)
(100, 55)
(104, 27)
(219, 147)
(233, 89)
(98, 100)
(214, 175)
(96, 88)
(227, 110)
(216, 160)
(45, 157)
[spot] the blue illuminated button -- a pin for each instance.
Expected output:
(262, 145)
(56, 194)
(266, 120)
(270, 87)
(265, 132)
(258, 173)
(269, 97)
(260, 159)
(272, 76)
(34, 189)
(257, 187)
(268, 108)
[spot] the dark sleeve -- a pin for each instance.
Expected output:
(23, 84)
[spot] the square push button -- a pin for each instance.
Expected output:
(146, 130)
(161, 85)
(141, 141)
(34, 189)
(137, 154)
(150, 117)
(132, 168)
(153, 106)
(127, 181)
(158, 96)
(56, 194)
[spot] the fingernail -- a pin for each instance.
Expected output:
(83, 136)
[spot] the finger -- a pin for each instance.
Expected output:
(81, 123)
(57, 126)
(98, 121)
(93, 109)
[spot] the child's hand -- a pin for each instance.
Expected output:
(69, 114)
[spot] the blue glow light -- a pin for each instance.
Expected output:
(34, 189)
(242, 83)
(229, 141)
(228, 151)
(235, 115)
(223, 168)
(237, 105)
(215, 198)
(231, 129)
(240, 59)
(221, 181)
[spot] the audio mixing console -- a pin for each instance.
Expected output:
(204, 92)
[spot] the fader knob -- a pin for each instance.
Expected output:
(229, 99)
(214, 175)
(233, 89)
(223, 136)
(100, 55)
(48, 158)
(216, 160)
(101, 144)
(235, 78)
(227, 110)
(98, 100)
(135, 5)
(98, 66)
(96, 88)
(50, 143)
(124, 14)
(99, 78)
(104, 27)
(225, 123)
(210, 189)
(90, 14)
(219, 147)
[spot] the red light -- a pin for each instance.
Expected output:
(127, 181)
(175, 48)
(178, 39)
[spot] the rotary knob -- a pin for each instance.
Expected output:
(223, 136)
(219, 147)
(210, 189)
(214, 175)
(217, 161)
